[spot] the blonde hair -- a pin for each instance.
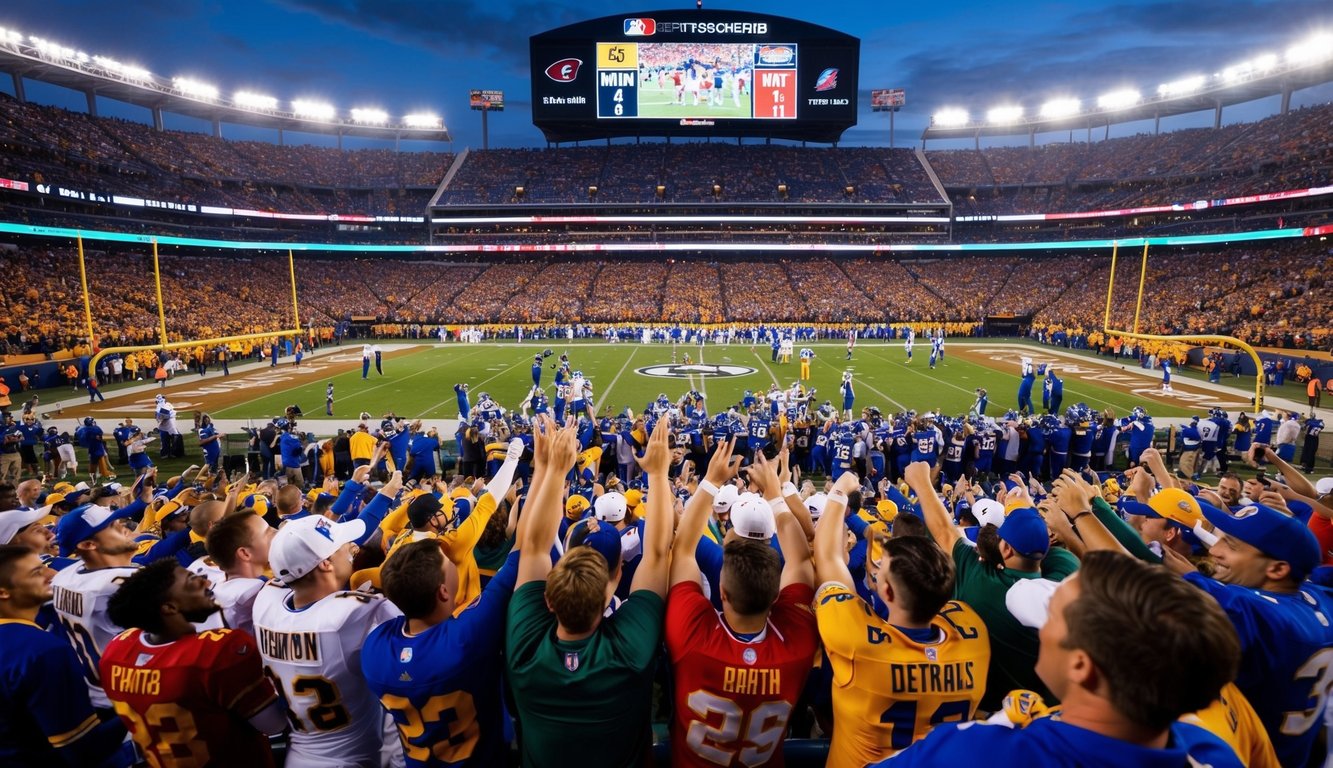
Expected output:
(576, 589)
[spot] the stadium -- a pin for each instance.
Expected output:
(986, 356)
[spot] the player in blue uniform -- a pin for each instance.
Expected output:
(844, 445)
(536, 370)
(848, 395)
(925, 443)
(464, 407)
(1166, 375)
(1058, 437)
(1082, 435)
(210, 441)
(936, 349)
(983, 399)
(1126, 664)
(955, 445)
(1140, 431)
(986, 439)
(759, 432)
(1025, 406)
(1286, 641)
(428, 663)
(1056, 387)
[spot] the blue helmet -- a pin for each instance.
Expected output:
(88, 421)
(1138, 412)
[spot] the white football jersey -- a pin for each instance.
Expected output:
(237, 598)
(314, 656)
(80, 598)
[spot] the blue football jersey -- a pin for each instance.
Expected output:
(442, 686)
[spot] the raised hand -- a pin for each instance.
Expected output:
(657, 454)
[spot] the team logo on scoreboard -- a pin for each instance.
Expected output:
(698, 369)
(565, 70)
(640, 27)
(827, 80)
(776, 54)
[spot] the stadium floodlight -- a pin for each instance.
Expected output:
(251, 100)
(370, 116)
(127, 71)
(1121, 99)
(424, 120)
(1313, 49)
(950, 117)
(1056, 108)
(55, 50)
(1181, 87)
(317, 110)
(11, 36)
(1010, 113)
(195, 88)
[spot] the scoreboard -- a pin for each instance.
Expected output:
(694, 73)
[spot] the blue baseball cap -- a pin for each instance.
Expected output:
(1271, 532)
(83, 523)
(1026, 531)
(605, 539)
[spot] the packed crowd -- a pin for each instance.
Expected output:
(963, 579)
(1273, 295)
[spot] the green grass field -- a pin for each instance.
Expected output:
(662, 103)
(420, 382)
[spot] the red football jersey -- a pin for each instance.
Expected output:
(189, 701)
(733, 697)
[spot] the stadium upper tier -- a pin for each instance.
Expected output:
(1274, 293)
(103, 156)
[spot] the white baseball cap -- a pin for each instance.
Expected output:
(610, 507)
(988, 511)
(302, 544)
(1324, 486)
(15, 520)
(815, 503)
(725, 497)
(752, 518)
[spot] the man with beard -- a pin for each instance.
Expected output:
(207, 682)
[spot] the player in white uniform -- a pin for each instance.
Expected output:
(239, 546)
(105, 548)
(310, 633)
(907, 344)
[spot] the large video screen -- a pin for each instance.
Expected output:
(694, 73)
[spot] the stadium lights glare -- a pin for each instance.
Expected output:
(313, 109)
(1315, 48)
(1182, 86)
(254, 100)
(127, 71)
(422, 120)
(1004, 115)
(57, 51)
(195, 88)
(951, 117)
(1060, 108)
(10, 36)
(1121, 99)
(1260, 65)
(370, 116)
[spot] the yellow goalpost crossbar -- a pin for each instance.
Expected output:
(1225, 341)
(165, 343)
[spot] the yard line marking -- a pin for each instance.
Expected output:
(606, 393)
(703, 378)
(477, 386)
(359, 393)
(766, 368)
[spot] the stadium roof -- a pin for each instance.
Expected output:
(1212, 93)
(52, 63)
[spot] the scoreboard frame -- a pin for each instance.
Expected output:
(622, 76)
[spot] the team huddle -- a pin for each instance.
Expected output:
(911, 589)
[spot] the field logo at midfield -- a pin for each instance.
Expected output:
(702, 370)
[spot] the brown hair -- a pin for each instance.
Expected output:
(921, 575)
(751, 575)
(576, 589)
(1165, 647)
(411, 577)
(226, 536)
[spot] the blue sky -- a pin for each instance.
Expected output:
(412, 55)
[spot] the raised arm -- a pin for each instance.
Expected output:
(1074, 495)
(797, 568)
(660, 523)
(721, 468)
(554, 451)
(938, 519)
(831, 534)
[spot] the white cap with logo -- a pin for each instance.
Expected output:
(610, 507)
(752, 518)
(302, 544)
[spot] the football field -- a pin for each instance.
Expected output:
(418, 380)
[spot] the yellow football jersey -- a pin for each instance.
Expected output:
(1232, 719)
(889, 690)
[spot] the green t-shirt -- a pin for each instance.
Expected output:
(587, 702)
(1013, 658)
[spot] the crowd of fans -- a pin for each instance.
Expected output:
(872, 587)
(1273, 295)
